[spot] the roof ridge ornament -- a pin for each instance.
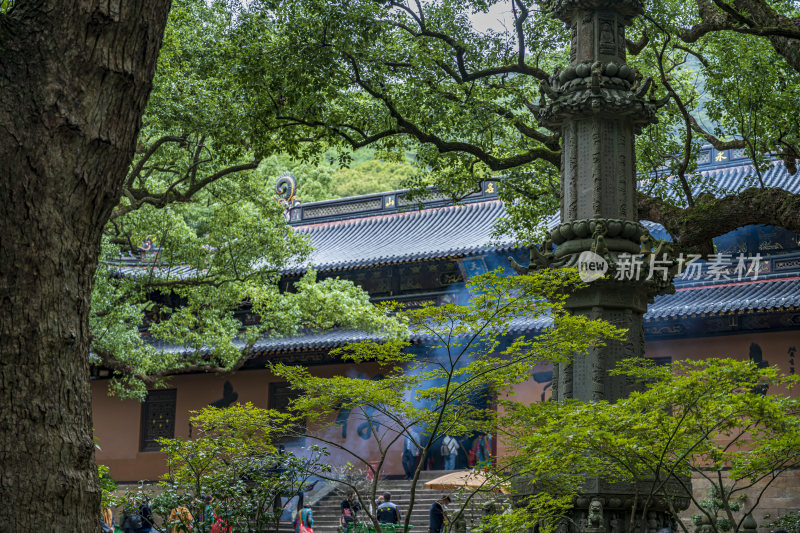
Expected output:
(286, 189)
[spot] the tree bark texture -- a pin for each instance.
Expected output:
(74, 82)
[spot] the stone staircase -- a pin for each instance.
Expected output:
(327, 511)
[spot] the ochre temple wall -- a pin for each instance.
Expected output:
(776, 348)
(117, 423)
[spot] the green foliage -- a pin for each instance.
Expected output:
(790, 522)
(246, 92)
(718, 497)
(378, 81)
(327, 178)
(198, 192)
(371, 177)
(108, 487)
(422, 79)
(699, 417)
(431, 392)
(233, 460)
(529, 512)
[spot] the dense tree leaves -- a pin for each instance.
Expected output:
(199, 203)
(233, 460)
(287, 80)
(334, 176)
(703, 417)
(418, 76)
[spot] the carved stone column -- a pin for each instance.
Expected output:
(598, 104)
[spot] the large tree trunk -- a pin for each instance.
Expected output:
(74, 81)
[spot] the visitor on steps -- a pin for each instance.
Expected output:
(449, 452)
(411, 453)
(304, 522)
(387, 512)
(438, 515)
(350, 509)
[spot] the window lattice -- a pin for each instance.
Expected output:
(158, 418)
(340, 209)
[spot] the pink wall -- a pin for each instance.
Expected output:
(774, 346)
(117, 423)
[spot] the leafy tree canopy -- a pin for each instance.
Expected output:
(196, 194)
(328, 178)
(702, 417)
(417, 76)
(233, 460)
(244, 92)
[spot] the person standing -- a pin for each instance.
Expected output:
(207, 514)
(131, 519)
(147, 517)
(437, 517)
(137, 519)
(108, 518)
(305, 520)
(350, 509)
(181, 518)
(387, 512)
(411, 453)
(449, 451)
(483, 449)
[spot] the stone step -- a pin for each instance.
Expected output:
(327, 511)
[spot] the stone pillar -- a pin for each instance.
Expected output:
(598, 104)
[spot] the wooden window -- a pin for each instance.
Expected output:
(280, 396)
(158, 418)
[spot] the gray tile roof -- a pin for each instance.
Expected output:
(320, 340)
(755, 296)
(733, 179)
(159, 271)
(761, 295)
(357, 239)
(363, 232)
(347, 238)
(450, 231)
(773, 294)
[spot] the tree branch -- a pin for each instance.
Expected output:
(139, 197)
(405, 126)
(139, 166)
(463, 75)
(635, 47)
(693, 228)
(110, 361)
(687, 144)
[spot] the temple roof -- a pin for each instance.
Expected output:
(763, 295)
(713, 299)
(324, 340)
(386, 228)
(402, 237)
(776, 289)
